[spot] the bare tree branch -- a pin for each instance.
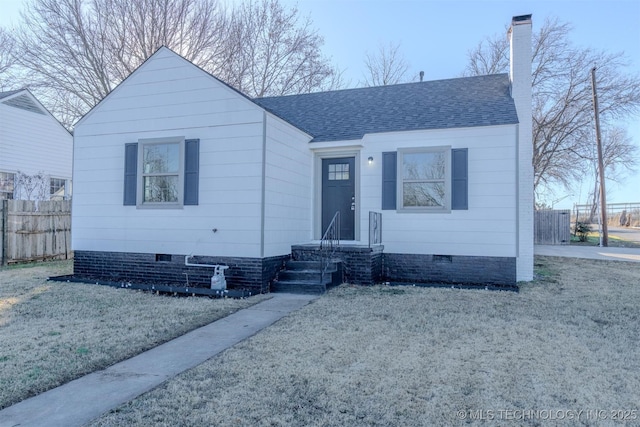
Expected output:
(386, 67)
(562, 100)
(7, 58)
(276, 52)
(74, 52)
(491, 56)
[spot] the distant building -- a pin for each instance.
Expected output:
(36, 151)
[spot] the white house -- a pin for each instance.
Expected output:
(32, 143)
(174, 162)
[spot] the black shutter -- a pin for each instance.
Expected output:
(130, 173)
(459, 179)
(191, 171)
(389, 177)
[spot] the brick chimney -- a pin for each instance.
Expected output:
(520, 77)
(520, 63)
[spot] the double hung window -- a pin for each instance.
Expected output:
(425, 179)
(424, 182)
(161, 172)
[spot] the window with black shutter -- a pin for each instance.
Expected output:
(426, 179)
(162, 172)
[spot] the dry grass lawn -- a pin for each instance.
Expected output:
(408, 356)
(51, 332)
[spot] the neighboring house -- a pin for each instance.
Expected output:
(35, 150)
(175, 162)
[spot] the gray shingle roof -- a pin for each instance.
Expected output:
(439, 104)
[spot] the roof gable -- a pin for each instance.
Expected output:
(351, 113)
(22, 99)
(9, 93)
(164, 53)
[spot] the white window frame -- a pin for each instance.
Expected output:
(64, 186)
(446, 150)
(6, 194)
(142, 143)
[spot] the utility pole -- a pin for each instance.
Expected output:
(603, 195)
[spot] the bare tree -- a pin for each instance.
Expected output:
(618, 155)
(562, 99)
(76, 51)
(7, 58)
(277, 52)
(31, 187)
(196, 29)
(385, 67)
(490, 56)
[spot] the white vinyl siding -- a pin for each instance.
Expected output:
(486, 228)
(288, 187)
(165, 98)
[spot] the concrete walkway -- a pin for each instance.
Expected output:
(80, 401)
(589, 252)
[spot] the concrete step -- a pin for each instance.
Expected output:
(299, 275)
(299, 287)
(302, 265)
(303, 277)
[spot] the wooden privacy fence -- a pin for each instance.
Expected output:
(31, 231)
(552, 227)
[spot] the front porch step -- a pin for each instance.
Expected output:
(299, 287)
(302, 265)
(303, 277)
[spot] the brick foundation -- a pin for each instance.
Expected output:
(362, 266)
(255, 274)
(413, 268)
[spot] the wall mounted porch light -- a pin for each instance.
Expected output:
(370, 159)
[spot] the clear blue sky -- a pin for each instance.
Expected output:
(435, 37)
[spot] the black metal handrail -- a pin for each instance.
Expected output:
(329, 243)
